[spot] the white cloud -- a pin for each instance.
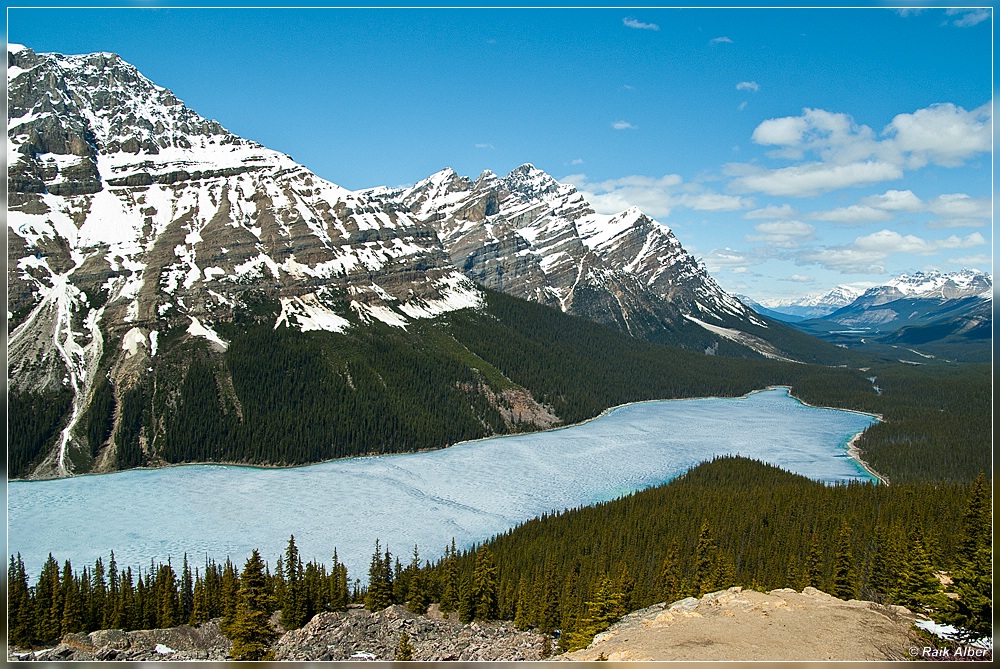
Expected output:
(783, 234)
(484, 146)
(895, 200)
(944, 134)
(720, 40)
(800, 278)
(810, 179)
(845, 153)
(727, 258)
(639, 25)
(576, 161)
(868, 253)
(960, 205)
(772, 211)
(742, 106)
(966, 261)
(656, 196)
(968, 17)
(748, 86)
(622, 125)
(856, 213)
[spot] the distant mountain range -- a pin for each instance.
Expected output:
(926, 314)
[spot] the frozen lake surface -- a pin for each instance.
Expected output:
(470, 491)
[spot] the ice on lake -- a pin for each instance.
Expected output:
(470, 491)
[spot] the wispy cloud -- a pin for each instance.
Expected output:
(720, 40)
(639, 25)
(810, 179)
(783, 234)
(869, 252)
(485, 146)
(622, 125)
(968, 17)
(656, 196)
(748, 86)
(772, 211)
(576, 161)
(856, 213)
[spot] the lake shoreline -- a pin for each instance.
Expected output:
(852, 450)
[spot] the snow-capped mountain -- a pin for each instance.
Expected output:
(143, 237)
(814, 306)
(930, 286)
(130, 215)
(530, 236)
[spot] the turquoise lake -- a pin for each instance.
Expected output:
(469, 491)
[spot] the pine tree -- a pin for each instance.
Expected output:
(405, 650)
(250, 630)
(293, 606)
(379, 594)
(843, 568)
(972, 578)
(48, 602)
(485, 585)
(603, 608)
(707, 576)
(186, 592)
(20, 614)
(919, 589)
(450, 586)
(73, 609)
(668, 581)
(814, 563)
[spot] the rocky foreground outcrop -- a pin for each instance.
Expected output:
(739, 624)
(204, 642)
(360, 634)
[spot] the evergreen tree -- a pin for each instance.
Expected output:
(603, 608)
(48, 602)
(417, 597)
(250, 630)
(186, 592)
(707, 576)
(20, 613)
(379, 594)
(485, 585)
(972, 578)
(293, 606)
(73, 608)
(669, 579)
(404, 652)
(919, 589)
(843, 568)
(450, 587)
(814, 563)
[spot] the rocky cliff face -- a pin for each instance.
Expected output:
(528, 235)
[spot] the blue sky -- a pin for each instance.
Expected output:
(791, 149)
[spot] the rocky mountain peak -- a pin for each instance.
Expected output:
(532, 182)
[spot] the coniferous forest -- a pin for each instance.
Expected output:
(726, 522)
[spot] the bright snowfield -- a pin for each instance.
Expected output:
(470, 491)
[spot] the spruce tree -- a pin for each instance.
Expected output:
(919, 589)
(814, 563)
(250, 631)
(379, 594)
(450, 585)
(972, 578)
(20, 613)
(843, 568)
(485, 586)
(72, 604)
(293, 606)
(405, 649)
(668, 581)
(48, 602)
